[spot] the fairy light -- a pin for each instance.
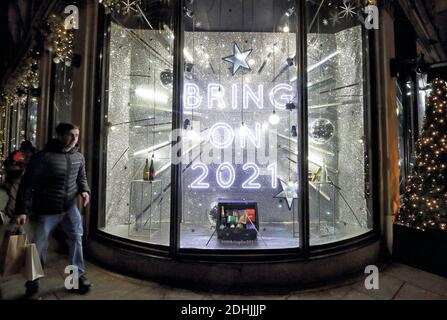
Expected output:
(425, 201)
(62, 40)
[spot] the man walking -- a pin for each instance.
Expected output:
(48, 191)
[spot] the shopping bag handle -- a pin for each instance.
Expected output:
(15, 228)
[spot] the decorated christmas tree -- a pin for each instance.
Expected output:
(425, 200)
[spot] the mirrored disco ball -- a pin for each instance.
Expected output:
(166, 78)
(321, 131)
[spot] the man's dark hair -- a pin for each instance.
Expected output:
(26, 145)
(62, 128)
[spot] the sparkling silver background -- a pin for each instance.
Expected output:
(136, 60)
(133, 65)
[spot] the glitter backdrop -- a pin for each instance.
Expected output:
(140, 102)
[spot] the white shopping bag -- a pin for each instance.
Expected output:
(33, 268)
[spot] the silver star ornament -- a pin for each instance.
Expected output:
(238, 59)
(289, 192)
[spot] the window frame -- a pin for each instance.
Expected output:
(304, 251)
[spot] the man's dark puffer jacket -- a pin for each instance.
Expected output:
(52, 181)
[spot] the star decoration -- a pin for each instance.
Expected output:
(129, 5)
(347, 10)
(289, 192)
(238, 59)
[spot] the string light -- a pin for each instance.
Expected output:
(25, 76)
(422, 208)
(62, 40)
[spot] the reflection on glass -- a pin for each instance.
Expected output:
(239, 171)
(423, 91)
(22, 118)
(13, 141)
(401, 139)
(139, 122)
(338, 162)
(32, 121)
(3, 133)
(63, 93)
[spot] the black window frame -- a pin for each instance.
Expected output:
(305, 251)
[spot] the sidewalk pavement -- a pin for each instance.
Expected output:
(397, 282)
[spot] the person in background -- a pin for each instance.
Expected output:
(15, 166)
(48, 191)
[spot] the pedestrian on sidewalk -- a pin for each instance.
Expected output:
(48, 191)
(15, 165)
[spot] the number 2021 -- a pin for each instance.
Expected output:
(225, 183)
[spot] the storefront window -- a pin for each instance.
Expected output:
(22, 118)
(62, 93)
(13, 141)
(3, 132)
(139, 124)
(239, 180)
(410, 110)
(32, 120)
(337, 106)
(239, 176)
(423, 92)
(401, 138)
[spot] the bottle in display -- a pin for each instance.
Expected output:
(146, 171)
(152, 170)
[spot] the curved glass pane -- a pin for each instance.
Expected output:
(32, 120)
(3, 132)
(239, 171)
(139, 122)
(337, 113)
(63, 93)
(13, 139)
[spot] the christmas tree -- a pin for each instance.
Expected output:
(425, 200)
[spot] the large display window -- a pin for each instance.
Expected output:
(139, 124)
(62, 93)
(17, 130)
(239, 110)
(338, 131)
(262, 116)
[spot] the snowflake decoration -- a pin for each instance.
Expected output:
(347, 10)
(325, 22)
(121, 6)
(128, 5)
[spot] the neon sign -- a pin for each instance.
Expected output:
(254, 138)
(227, 135)
(231, 173)
(198, 183)
(279, 96)
(227, 180)
(221, 135)
(249, 183)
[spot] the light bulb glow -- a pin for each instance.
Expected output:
(274, 119)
